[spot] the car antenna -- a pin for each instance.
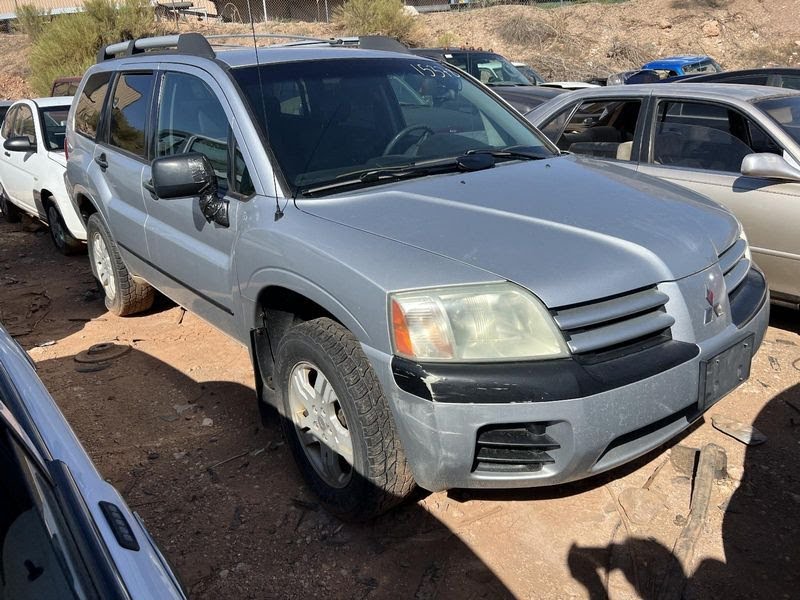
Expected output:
(278, 209)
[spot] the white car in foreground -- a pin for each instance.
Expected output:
(32, 165)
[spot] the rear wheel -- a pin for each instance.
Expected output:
(338, 422)
(124, 295)
(10, 212)
(62, 238)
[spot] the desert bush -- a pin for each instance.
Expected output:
(381, 17)
(30, 20)
(628, 53)
(68, 45)
(516, 29)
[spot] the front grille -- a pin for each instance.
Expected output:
(735, 265)
(606, 324)
(514, 448)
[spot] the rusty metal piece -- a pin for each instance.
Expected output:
(102, 352)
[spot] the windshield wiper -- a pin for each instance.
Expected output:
(467, 162)
(512, 152)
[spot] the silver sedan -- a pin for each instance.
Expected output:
(737, 144)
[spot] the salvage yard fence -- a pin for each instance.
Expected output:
(261, 10)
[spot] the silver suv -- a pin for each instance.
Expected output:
(430, 291)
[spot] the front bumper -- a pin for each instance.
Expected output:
(593, 433)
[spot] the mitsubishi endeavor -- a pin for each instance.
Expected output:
(431, 292)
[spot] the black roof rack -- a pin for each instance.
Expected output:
(185, 43)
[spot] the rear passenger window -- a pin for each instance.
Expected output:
(191, 119)
(602, 128)
(7, 130)
(90, 104)
(132, 95)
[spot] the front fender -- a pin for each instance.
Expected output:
(274, 276)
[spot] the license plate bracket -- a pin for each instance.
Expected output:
(725, 372)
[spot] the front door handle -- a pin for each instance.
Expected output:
(102, 161)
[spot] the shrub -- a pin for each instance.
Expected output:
(68, 45)
(30, 20)
(376, 17)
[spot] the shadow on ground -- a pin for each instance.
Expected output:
(759, 530)
(222, 497)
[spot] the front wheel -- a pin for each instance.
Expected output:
(124, 295)
(338, 422)
(62, 238)
(10, 212)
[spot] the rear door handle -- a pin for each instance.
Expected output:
(102, 161)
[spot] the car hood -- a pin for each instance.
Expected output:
(570, 230)
(526, 97)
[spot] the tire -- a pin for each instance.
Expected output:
(347, 401)
(59, 234)
(10, 212)
(123, 295)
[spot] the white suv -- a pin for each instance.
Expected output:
(32, 165)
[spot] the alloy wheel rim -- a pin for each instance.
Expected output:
(102, 263)
(320, 424)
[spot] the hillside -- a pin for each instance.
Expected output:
(573, 42)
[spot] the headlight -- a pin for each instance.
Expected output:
(487, 322)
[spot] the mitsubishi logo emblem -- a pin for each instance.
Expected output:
(714, 309)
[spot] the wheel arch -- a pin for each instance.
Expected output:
(280, 306)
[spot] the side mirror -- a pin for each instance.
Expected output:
(188, 175)
(769, 166)
(19, 144)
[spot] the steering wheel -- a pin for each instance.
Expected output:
(426, 132)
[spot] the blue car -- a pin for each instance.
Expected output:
(689, 64)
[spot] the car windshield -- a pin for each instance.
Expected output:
(54, 121)
(328, 119)
(490, 68)
(785, 112)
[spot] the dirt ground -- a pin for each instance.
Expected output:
(173, 425)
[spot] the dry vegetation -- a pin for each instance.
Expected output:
(574, 42)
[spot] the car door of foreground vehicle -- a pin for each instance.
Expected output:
(700, 145)
(193, 116)
(19, 167)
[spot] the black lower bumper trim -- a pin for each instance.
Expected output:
(535, 381)
(747, 299)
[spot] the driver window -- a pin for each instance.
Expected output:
(24, 124)
(602, 129)
(706, 136)
(191, 119)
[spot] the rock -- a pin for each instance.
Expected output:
(224, 573)
(179, 455)
(182, 408)
(664, 24)
(683, 459)
(680, 520)
(410, 10)
(711, 28)
(640, 505)
(207, 422)
(153, 455)
(747, 434)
